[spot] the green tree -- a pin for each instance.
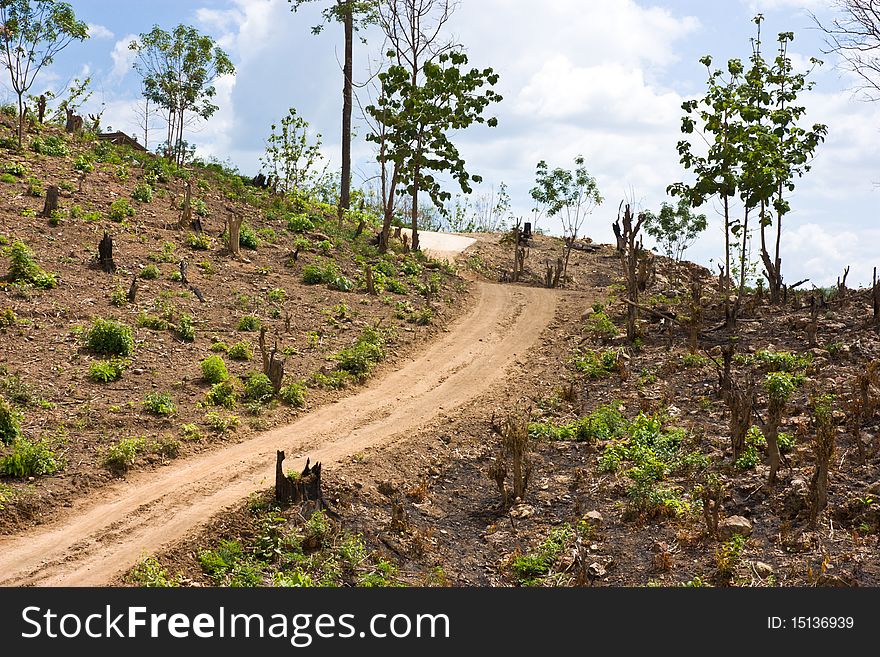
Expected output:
(352, 14)
(675, 228)
(179, 70)
(410, 124)
(570, 195)
(289, 156)
(33, 33)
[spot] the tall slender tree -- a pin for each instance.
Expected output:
(352, 14)
(32, 33)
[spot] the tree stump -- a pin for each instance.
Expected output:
(186, 215)
(273, 367)
(303, 488)
(51, 203)
(105, 253)
(234, 234)
(132, 290)
(184, 267)
(371, 287)
(41, 108)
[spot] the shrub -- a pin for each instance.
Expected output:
(529, 568)
(10, 422)
(150, 272)
(167, 447)
(277, 295)
(293, 394)
(249, 323)
(35, 187)
(605, 423)
(299, 223)
(120, 210)
(106, 371)
(7, 318)
(336, 380)
(110, 337)
(152, 322)
(359, 359)
(149, 573)
(122, 455)
(600, 326)
(29, 459)
(207, 267)
(83, 164)
(8, 178)
(247, 238)
(190, 432)
(694, 361)
(17, 169)
(199, 241)
(258, 387)
(219, 347)
(143, 193)
(119, 296)
(50, 145)
(221, 424)
(159, 403)
(241, 351)
(186, 331)
(598, 365)
(223, 394)
(214, 370)
(323, 272)
(24, 269)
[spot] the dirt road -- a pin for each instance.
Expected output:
(102, 536)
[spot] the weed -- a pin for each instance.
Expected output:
(258, 388)
(123, 455)
(359, 359)
(600, 326)
(199, 241)
(119, 296)
(605, 423)
(150, 272)
(186, 331)
(152, 322)
(249, 323)
(10, 422)
(728, 556)
(214, 370)
(30, 459)
(8, 318)
(24, 269)
(190, 432)
(598, 365)
(143, 193)
(278, 295)
(207, 267)
(241, 351)
(106, 371)
(110, 337)
(166, 447)
(149, 573)
(159, 403)
(247, 238)
(120, 210)
(528, 569)
(50, 145)
(293, 394)
(223, 394)
(221, 424)
(694, 361)
(299, 223)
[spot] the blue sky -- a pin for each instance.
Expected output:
(604, 78)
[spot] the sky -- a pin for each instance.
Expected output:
(601, 78)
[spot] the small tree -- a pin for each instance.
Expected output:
(779, 387)
(179, 70)
(823, 423)
(33, 32)
(572, 195)
(675, 228)
(290, 157)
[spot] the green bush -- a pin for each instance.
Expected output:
(83, 164)
(359, 359)
(249, 323)
(220, 424)
(278, 295)
(605, 423)
(10, 422)
(186, 331)
(143, 193)
(258, 387)
(29, 459)
(214, 370)
(529, 568)
(35, 187)
(247, 238)
(120, 210)
(119, 296)
(166, 447)
(17, 169)
(24, 269)
(241, 351)
(150, 273)
(159, 403)
(121, 456)
(7, 318)
(111, 338)
(219, 347)
(322, 272)
(149, 573)
(106, 371)
(152, 322)
(50, 145)
(598, 365)
(600, 326)
(199, 241)
(299, 223)
(8, 178)
(293, 394)
(190, 432)
(223, 394)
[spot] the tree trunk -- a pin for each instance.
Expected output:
(186, 215)
(20, 121)
(51, 203)
(345, 187)
(272, 366)
(303, 488)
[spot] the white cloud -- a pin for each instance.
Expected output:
(779, 5)
(123, 58)
(99, 32)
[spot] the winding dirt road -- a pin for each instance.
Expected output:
(102, 536)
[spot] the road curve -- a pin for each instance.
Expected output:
(105, 534)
